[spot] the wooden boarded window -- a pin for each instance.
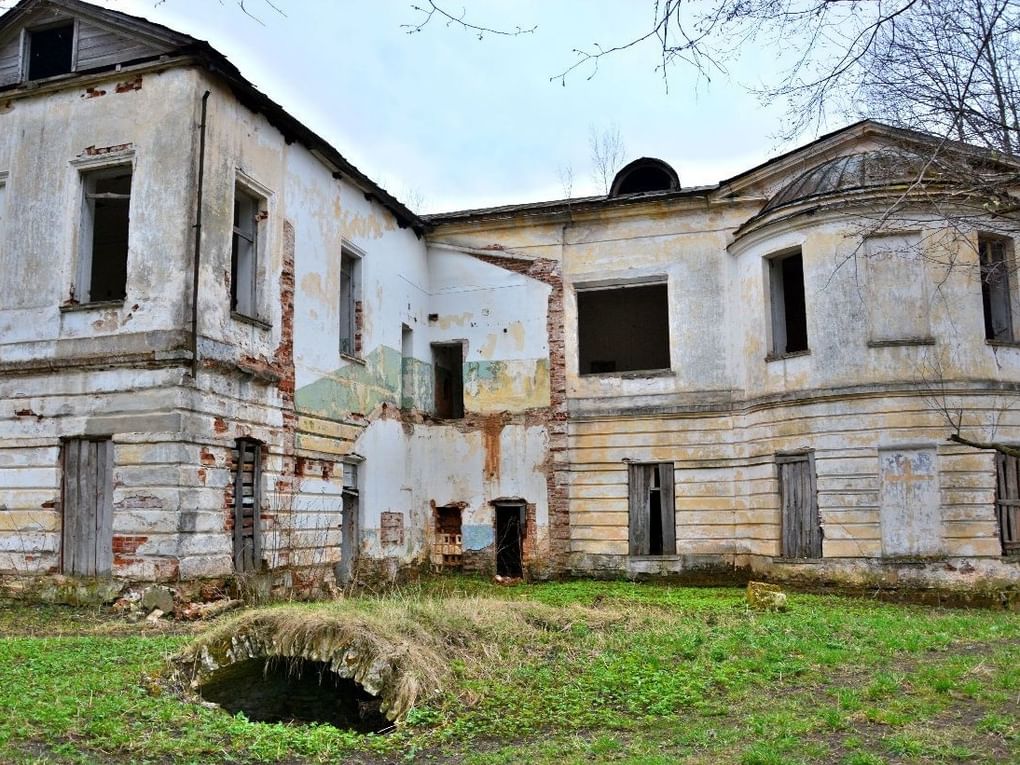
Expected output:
(87, 507)
(801, 525)
(1007, 502)
(247, 504)
(652, 517)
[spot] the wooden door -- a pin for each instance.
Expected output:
(1007, 502)
(247, 505)
(87, 535)
(801, 525)
(652, 517)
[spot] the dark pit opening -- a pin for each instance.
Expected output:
(294, 691)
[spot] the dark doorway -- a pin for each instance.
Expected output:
(509, 536)
(448, 359)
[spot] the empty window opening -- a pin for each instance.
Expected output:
(87, 534)
(623, 329)
(801, 526)
(244, 256)
(407, 392)
(103, 253)
(510, 540)
(294, 691)
(995, 289)
(448, 548)
(247, 505)
(50, 51)
(448, 360)
(1007, 502)
(350, 305)
(651, 506)
(789, 313)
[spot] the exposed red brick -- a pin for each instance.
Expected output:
(555, 417)
(93, 93)
(97, 151)
(24, 413)
(219, 426)
(207, 457)
(127, 545)
(129, 85)
(202, 475)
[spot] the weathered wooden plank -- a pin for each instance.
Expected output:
(104, 508)
(70, 504)
(238, 507)
(667, 497)
(638, 506)
(86, 526)
(256, 495)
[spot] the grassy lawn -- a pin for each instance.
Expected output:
(604, 672)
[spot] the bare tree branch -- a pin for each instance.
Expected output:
(434, 10)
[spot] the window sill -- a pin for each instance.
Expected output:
(630, 374)
(784, 356)
(98, 305)
(250, 320)
(353, 359)
(901, 343)
(1003, 343)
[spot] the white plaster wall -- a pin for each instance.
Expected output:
(39, 137)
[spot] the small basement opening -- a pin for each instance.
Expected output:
(294, 691)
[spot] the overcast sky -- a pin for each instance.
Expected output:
(447, 121)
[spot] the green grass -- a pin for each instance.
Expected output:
(669, 675)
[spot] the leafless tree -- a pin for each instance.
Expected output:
(607, 154)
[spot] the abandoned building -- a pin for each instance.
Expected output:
(224, 350)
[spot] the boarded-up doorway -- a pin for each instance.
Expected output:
(910, 503)
(801, 525)
(509, 539)
(87, 507)
(247, 505)
(448, 548)
(1007, 501)
(652, 517)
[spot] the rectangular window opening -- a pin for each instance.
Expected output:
(623, 329)
(244, 257)
(801, 525)
(406, 367)
(1007, 502)
(350, 305)
(789, 312)
(448, 360)
(996, 297)
(50, 51)
(103, 253)
(247, 502)
(652, 509)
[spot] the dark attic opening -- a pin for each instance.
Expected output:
(50, 51)
(294, 691)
